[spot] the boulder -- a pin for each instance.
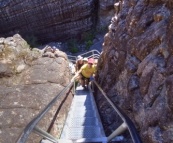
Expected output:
(28, 82)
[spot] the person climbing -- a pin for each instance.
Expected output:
(96, 62)
(47, 49)
(51, 52)
(48, 52)
(79, 63)
(85, 60)
(86, 72)
(55, 51)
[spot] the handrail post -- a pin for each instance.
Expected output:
(92, 86)
(93, 54)
(74, 87)
(118, 131)
(44, 134)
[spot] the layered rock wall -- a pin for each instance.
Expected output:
(135, 68)
(47, 20)
(56, 20)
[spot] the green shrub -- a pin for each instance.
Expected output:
(88, 36)
(26, 45)
(74, 50)
(32, 41)
(22, 54)
(72, 44)
(101, 29)
(88, 44)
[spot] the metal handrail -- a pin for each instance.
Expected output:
(32, 125)
(90, 52)
(128, 124)
(93, 55)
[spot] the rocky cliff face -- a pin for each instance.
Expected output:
(135, 68)
(47, 20)
(52, 20)
(28, 82)
(105, 12)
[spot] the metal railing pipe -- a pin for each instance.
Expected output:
(117, 132)
(71, 56)
(42, 133)
(74, 87)
(124, 117)
(29, 128)
(93, 55)
(90, 52)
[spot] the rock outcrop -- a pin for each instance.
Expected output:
(28, 82)
(135, 68)
(55, 20)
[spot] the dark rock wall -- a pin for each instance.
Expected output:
(55, 20)
(135, 68)
(47, 20)
(105, 12)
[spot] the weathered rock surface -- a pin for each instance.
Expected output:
(28, 82)
(53, 20)
(135, 68)
(105, 12)
(47, 20)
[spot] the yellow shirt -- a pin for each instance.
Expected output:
(87, 72)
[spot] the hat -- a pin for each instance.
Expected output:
(91, 61)
(53, 47)
(79, 57)
(85, 59)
